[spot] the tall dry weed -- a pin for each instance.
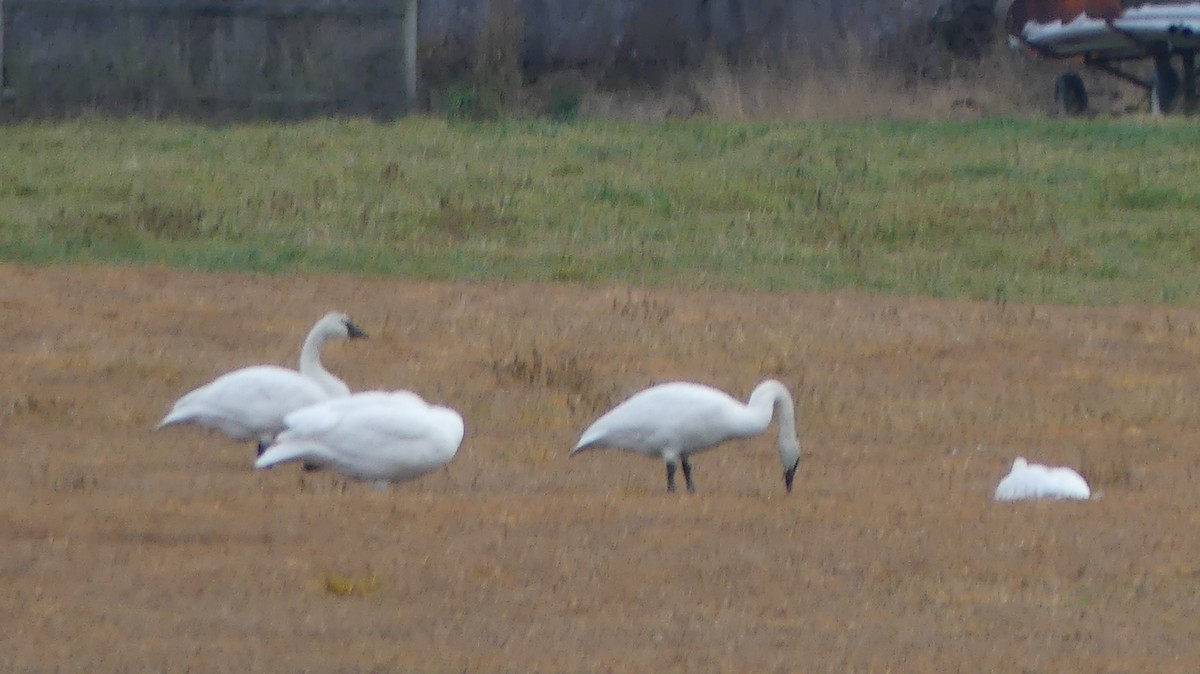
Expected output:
(496, 78)
(857, 87)
(853, 82)
(575, 376)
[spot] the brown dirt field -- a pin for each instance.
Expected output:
(130, 549)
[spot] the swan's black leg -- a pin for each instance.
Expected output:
(687, 473)
(262, 447)
(671, 476)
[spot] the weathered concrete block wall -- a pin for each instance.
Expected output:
(346, 56)
(584, 32)
(192, 55)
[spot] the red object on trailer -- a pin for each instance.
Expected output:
(1021, 12)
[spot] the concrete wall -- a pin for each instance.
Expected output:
(582, 32)
(345, 55)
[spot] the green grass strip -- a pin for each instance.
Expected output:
(1091, 212)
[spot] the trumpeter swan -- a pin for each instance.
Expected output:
(673, 421)
(250, 403)
(377, 437)
(1031, 480)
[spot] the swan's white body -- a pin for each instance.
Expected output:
(673, 421)
(251, 403)
(376, 436)
(1033, 481)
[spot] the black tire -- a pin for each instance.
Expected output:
(1164, 88)
(1070, 96)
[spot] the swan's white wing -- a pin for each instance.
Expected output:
(420, 438)
(247, 403)
(676, 414)
(346, 420)
(312, 421)
(326, 415)
(1069, 484)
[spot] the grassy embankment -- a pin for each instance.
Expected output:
(1035, 210)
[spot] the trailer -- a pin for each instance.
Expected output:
(1106, 35)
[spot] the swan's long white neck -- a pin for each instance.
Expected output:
(311, 367)
(771, 399)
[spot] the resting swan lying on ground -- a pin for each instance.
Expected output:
(1032, 480)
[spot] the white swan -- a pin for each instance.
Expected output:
(376, 436)
(250, 403)
(675, 420)
(1031, 480)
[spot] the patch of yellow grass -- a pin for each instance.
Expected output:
(346, 585)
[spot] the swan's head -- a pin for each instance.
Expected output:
(789, 444)
(789, 456)
(338, 325)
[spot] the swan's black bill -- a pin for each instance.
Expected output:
(789, 476)
(355, 332)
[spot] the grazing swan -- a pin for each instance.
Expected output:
(378, 437)
(250, 403)
(1032, 480)
(675, 420)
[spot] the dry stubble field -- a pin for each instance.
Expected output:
(130, 549)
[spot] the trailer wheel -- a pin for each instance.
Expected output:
(1070, 96)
